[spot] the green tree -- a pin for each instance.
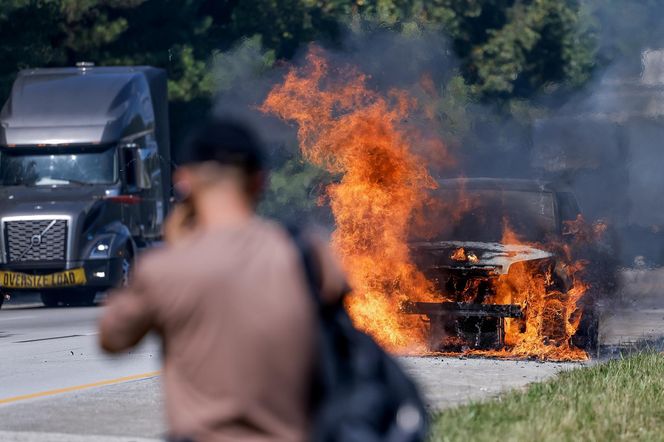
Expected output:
(516, 47)
(88, 25)
(294, 191)
(28, 34)
(507, 47)
(509, 50)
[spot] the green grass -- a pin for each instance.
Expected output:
(620, 400)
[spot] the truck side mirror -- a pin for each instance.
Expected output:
(136, 176)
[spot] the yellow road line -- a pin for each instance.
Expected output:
(40, 394)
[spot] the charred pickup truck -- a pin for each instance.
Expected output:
(84, 178)
(488, 282)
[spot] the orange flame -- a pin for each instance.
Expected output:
(351, 130)
(550, 297)
(459, 254)
(362, 136)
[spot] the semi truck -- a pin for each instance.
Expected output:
(85, 178)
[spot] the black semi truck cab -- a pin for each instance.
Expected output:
(84, 178)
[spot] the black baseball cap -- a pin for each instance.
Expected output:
(226, 142)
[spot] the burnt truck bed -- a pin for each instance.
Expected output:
(474, 325)
(464, 271)
(463, 309)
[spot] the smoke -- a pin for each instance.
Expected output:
(601, 142)
(243, 77)
(604, 142)
(245, 74)
(413, 61)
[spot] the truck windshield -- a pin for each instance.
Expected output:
(44, 169)
(484, 215)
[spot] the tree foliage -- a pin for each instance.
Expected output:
(508, 50)
(507, 47)
(514, 48)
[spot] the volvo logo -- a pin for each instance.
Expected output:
(35, 240)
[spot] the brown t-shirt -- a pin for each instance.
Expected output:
(237, 324)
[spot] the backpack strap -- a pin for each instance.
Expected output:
(310, 263)
(326, 371)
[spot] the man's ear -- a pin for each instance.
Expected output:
(256, 184)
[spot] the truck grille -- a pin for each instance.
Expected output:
(36, 240)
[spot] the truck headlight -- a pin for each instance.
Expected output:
(101, 249)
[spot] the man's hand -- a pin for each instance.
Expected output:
(128, 316)
(179, 223)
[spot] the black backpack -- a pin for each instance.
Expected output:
(360, 394)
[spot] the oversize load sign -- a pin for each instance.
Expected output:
(15, 280)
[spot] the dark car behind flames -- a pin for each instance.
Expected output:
(471, 250)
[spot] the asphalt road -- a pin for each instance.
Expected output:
(56, 385)
(55, 380)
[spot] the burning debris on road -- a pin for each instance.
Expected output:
(476, 266)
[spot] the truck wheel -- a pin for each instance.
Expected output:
(51, 299)
(127, 263)
(126, 267)
(587, 335)
(85, 298)
(70, 298)
(125, 272)
(552, 328)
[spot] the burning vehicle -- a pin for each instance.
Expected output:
(505, 272)
(485, 266)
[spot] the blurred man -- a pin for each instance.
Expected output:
(228, 298)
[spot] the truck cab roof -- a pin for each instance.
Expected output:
(505, 184)
(482, 209)
(79, 105)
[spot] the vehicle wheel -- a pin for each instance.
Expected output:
(552, 328)
(71, 298)
(127, 262)
(51, 299)
(125, 272)
(587, 335)
(85, 298)
(436, 333)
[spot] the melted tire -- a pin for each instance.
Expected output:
(587, 335)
